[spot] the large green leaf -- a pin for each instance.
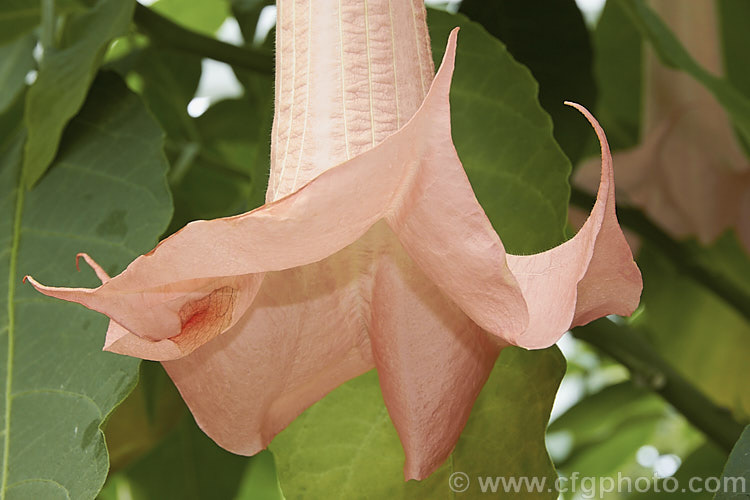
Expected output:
(551, 39)
(65, 74)
(106, 195)
(735, 480)
(345, 446)
(16, 60)
(504, 138)
(672, 53)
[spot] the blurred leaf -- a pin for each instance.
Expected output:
(705, 462)
(592, 421)
(247, 13)
(204, 17)
(674, 54)
(64, 77)
(615, 454)
(220, 160)
(228, 171)
(551, 39)
(105, 195)
(705, 339)
(618, 67)
(16, 60)
(189, 466)
(735, 38)
(504, 138)
(169, 81)
(18, 17)
(346, 442)
(144, 418)
(735, 479)
(733, 16)
(240, 130)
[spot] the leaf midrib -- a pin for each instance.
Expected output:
(11, 331)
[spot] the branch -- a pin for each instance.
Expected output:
(679, 253)
(163, 31)
(628, 347)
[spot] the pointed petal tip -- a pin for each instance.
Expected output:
(594, 123)
(100, 272)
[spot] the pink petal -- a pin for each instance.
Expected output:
(432, 361)
(305, 334)
(587, 277)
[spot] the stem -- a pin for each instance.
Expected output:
(48, 23)
(627, 346)
(162, 30)
(679, 253)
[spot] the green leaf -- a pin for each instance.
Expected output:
(345, 445)
(205, 16)
(504, 138)
(65, 74)
(16, 60)
(735, 479)
(552, 40)
(618, 67)
(189, 466)
(106, 195)
(672, 53)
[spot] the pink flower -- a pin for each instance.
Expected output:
(689, 173)
(372, 251)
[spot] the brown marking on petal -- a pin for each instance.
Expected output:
(205, 318)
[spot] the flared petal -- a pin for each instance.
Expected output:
(304, 335)
(432, 360)
(587, 277)
(413, 179)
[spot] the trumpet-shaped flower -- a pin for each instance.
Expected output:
(689, 173)
(371, 251)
